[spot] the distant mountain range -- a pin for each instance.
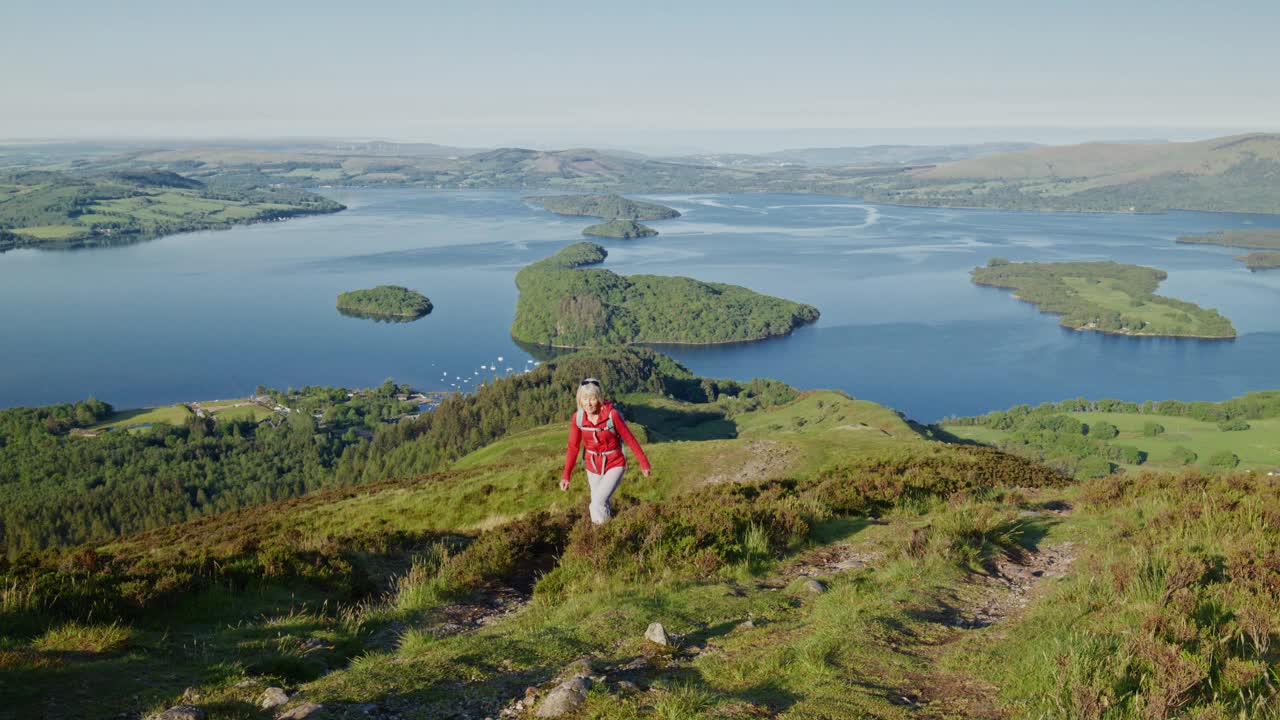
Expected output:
(871, 155)
(1233, 174)
(1240, 173)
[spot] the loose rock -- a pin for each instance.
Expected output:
(274, 697)
(181, 712)
(627, 686)
(746, 625)
(815, 587)
(657, 634)
(567, 697)
(305, 711)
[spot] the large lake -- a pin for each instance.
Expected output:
(213, 314)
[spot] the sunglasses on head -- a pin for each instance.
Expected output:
(591, 381)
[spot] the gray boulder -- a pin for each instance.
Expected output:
(657, 634)
(181, 712)
(567, 697)
(815, 587)
(273, 697)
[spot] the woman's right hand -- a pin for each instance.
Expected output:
(564, 484)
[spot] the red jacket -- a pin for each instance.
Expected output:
(603, 451)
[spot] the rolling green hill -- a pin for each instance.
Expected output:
(562, 305)
(61, 210)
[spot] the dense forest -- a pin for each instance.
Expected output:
(623, 229)
(608, 207)
(57, 488)
(1104, 296)
(385, 301)
(564, 306)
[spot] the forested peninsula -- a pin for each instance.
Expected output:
(1105, 297)
(57, 210)
(1250, 239)
(608, 207)
(391, 302)
(1261, 260)
(563, 306)
(623, 229)
(1266, 242)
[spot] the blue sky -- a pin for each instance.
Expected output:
(689, 73)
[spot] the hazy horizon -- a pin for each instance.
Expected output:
(722, 141)
(715, 77)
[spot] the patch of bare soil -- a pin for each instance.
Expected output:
(1009, 588)
(754, 460)
(831, 559)
(493, 606)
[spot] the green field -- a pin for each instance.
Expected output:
(171, 414)
(1258, 447)
(177, 414)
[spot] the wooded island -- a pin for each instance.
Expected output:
(390, 302)
(1105, 297)
(564, 306)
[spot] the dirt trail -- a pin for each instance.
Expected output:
(991, 601)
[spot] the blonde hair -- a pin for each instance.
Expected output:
(588, 391)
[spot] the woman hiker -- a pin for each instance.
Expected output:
(598, 427)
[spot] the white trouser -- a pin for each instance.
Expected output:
(602, 487)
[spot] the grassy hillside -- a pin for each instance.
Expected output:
(1105, 297)
(809, 555)
(60, 210)
(565, 306)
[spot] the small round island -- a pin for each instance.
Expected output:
(390, 303)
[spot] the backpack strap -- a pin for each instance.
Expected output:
(581, 415)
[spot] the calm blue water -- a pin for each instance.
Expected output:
(211, 315)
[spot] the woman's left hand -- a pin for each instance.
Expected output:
(644, 472)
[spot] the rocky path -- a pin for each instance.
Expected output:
(987, 603)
